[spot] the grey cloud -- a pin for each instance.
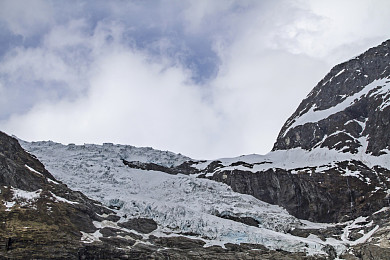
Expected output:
(26, 17)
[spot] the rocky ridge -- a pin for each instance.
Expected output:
(348, 107)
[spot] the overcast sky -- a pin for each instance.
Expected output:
(207, 79)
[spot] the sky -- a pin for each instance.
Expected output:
(206, 78)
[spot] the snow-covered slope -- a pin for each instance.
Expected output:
(297, 158)
(376, 88)
(180, 204)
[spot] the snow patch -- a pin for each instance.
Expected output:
(90, 237)
(9, 205)
(355, 174)
(32, 170)
(314, 115)
(61, 199)
(50, 180)
(296, 158)
(356, 224)
(24, 198)
(342, 71)
(381, 210)
(26, 195)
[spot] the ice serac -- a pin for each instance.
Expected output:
(346, 109)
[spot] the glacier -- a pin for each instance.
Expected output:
(180, 204)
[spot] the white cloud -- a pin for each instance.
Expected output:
(66, 35)
(35, 65)
(200, 16)
(332, 30)
(131, 99)
(3, 96)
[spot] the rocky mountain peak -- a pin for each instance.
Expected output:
(348, 110)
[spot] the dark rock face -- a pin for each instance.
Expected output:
(325, 197)
(367, 116)
(141, 225)
(184, 168)
(246, 220)
(112, 232)
(13, 161)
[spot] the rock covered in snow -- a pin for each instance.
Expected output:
(348, 109)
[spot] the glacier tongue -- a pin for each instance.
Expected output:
(180, 204)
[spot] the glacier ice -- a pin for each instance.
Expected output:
(180, 204)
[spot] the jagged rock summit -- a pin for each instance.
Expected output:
(349, 109)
